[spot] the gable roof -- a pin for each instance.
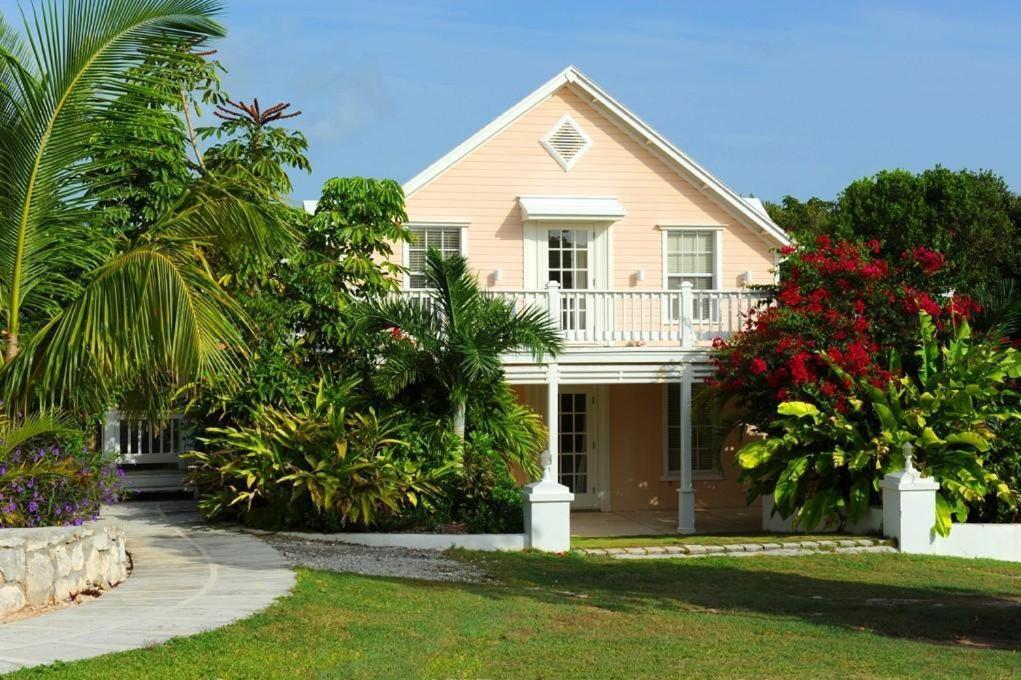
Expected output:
(748, 212)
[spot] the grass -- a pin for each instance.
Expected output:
(862, 615)
(660, 540)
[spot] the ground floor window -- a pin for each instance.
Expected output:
(703, 457)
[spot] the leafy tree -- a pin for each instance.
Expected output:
(802, 220)
(298, 304)
(86, 310)
(456, 339)
(972, 217)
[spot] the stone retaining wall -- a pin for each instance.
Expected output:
(47, 565)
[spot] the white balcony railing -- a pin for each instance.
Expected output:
(683, 316)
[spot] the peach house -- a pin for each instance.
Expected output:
(570, 201)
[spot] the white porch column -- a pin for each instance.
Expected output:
(553, 384)
(685, 491)
(909, 507)
(548, 502)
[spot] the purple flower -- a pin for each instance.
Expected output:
(32, 506)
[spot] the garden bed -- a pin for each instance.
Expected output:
(44, 566)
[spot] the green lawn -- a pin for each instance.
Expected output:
(564, 617)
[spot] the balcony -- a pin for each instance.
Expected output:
(685, 317)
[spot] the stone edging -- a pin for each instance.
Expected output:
(47, 565)
(745, 549)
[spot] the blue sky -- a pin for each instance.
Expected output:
(773, 97)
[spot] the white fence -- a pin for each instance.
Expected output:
(682, 316)
(140, 441)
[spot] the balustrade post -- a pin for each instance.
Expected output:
(687, 315)
(553, 304)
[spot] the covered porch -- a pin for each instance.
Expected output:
(626, 441)
(589, 524)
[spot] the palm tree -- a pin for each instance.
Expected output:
(86, 312)
(456, 337)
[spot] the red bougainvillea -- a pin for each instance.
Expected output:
(838, 300)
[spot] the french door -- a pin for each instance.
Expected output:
(569, 263)
(577, 445)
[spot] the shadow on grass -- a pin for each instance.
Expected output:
(822, 590)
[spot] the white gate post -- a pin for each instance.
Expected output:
(112, 433)
(548, 511)
(909, 507)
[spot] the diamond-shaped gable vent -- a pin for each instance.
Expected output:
(566, 142)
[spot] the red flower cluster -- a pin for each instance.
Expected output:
(929, 260)
(839, 304)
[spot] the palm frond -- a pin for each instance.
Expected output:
(16, 433)
(151, 308)
(71, 68)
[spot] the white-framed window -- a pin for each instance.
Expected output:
(703, 458)
(448, 239)
(692, 255)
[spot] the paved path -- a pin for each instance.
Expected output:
(187, 578)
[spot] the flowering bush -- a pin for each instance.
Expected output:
(840, 298)
(958, 411)
(50, 486)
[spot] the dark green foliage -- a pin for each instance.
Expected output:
(972, 217)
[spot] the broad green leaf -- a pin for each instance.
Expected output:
(972, 439)
(798, 409)
(943, 521)
(886, 418)
(754, 454)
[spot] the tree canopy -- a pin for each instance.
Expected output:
(971, 217)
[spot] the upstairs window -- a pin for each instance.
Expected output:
(447, 240)
(691, 256)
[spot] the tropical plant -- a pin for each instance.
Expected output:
(87, 309)
(958, 410)
(455, 339)
(321, 466)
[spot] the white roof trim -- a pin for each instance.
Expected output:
(686, 166)
(578, 208)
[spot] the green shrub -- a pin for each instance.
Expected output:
(320, 467)
(960, 411)
(484, 497)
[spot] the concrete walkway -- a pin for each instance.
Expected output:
(187, 578)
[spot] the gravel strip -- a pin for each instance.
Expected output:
(428, 565)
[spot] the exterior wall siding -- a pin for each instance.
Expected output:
(636, 457)
(636, 447)
(483, 188)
